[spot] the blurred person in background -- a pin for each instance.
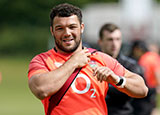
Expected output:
(153, 47)
(50, 70)
(150, 63)
(110, 42)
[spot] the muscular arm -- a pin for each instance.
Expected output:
(45, 84)
(134, 87)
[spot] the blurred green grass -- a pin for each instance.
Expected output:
(15, 96)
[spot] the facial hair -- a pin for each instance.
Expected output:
(61, 47)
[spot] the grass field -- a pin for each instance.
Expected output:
(15, 96)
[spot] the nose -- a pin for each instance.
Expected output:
(114, 43)
(67, 32)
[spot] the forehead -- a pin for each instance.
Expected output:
(65, 20)
(115, 34)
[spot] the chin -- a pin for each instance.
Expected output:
(70, 50)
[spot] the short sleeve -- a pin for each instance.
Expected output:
(113, 64)
(37, 65)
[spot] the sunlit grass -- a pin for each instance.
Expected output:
(15, 96)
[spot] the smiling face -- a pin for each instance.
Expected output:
(111, 42)
(67, 33)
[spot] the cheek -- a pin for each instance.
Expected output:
(107, 44)
(57, 36)
(119, 44)
(78, 33)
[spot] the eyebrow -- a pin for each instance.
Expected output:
(68, 25)
(73, 24)
(57, 26)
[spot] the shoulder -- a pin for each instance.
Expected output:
(104, 55)
(106, 58)
(127, 59)
(43, 55)
(109, 61)
(149, 54)
(149, 57)
(130, 64)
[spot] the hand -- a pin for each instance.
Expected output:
(81, 58)
(105, 74)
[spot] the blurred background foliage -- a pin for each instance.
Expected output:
(25, 24)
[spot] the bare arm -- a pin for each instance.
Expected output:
(46, 84)
(134, 87)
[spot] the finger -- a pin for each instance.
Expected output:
(100, 77)
(99, 69)
(84, 48)
(89, 60)
(103, 75)
(100, 74)
(103, 78)
(88, 54)
(106, 74)
(94, 69)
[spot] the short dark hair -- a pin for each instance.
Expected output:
(65, 10)
(110, 27)
(140, 44)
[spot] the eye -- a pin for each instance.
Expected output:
(109, 39)
(73, 27)
(58, 28)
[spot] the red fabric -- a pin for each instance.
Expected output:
(150, 62)
(86, 96)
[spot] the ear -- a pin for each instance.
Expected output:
(82, 28)
(51, 29)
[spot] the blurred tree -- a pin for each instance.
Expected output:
(34, 12)
(25, 24)
(24, 11)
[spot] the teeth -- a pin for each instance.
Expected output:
(67, 40)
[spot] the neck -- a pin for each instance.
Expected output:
(79, 48)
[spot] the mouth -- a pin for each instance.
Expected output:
(68, 40)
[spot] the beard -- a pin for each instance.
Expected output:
(70, 50)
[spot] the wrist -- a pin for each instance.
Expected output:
(121, 82)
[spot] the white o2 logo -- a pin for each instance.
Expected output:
(88, 82)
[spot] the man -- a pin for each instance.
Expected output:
(150, 62)
(49, 71)
(154, 47)
(110, 42)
